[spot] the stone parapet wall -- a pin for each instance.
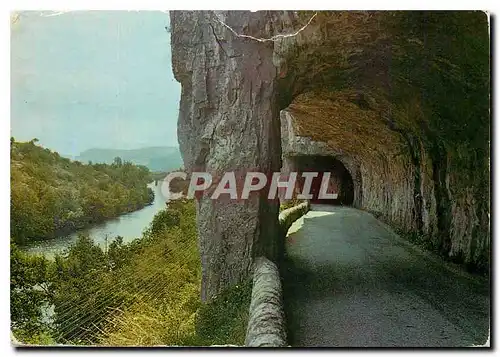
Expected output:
(266, 323)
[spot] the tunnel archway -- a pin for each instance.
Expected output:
(340, 181)
(399, 112)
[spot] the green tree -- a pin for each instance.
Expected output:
(117, 161)
(79, 293)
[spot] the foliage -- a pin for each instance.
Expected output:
(169, 311)
(162, 275)
(51, 194)
(81, 291)
(224, 320)
(143, 293)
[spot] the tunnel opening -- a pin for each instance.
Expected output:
(340, 181)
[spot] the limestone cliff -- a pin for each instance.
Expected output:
(400, 98)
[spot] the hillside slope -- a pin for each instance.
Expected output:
(51, 194)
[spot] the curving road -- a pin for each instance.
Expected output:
(349, 281)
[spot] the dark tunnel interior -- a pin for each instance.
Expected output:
(340, 179)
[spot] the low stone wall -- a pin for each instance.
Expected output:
(266, 323)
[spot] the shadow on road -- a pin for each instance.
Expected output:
(348, 281)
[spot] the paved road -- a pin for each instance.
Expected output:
(351, 282)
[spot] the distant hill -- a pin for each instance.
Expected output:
(157, 158)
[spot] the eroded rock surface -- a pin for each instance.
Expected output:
(401, 98)
(227, 123)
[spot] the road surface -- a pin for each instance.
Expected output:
(349, 281)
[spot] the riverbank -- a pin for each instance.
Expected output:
(51, 195)
(75, 227)
(129, 226)
(146, 293)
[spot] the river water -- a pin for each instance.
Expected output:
(130, 226)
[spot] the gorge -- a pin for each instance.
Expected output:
(400, 99)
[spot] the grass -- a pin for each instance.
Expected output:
(183, 320)
(225, 320)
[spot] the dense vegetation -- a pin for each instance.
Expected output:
(51, 194)
(146, 292)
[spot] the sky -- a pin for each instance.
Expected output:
(93, 79)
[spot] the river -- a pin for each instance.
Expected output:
(130, 226)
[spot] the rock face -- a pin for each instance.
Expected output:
(227, 122)
(400, 98)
